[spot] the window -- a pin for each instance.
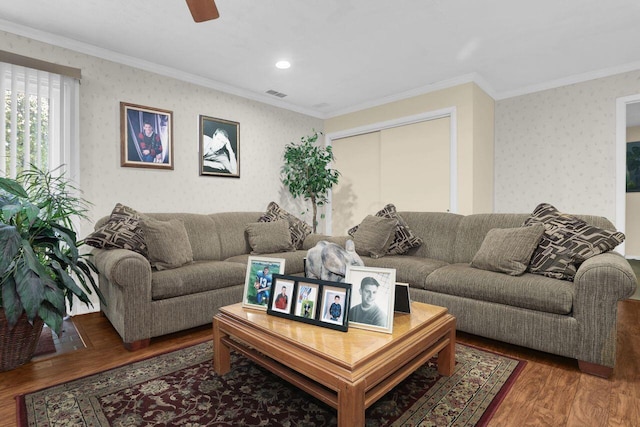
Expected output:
(40, 122)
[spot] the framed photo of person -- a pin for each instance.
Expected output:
(372, 300)
(282, 297)
(219, 147)
(335, 306)
(259, 280)
(146, 137)
(306, 302)
(317, 302)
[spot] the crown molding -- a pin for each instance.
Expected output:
(566, 81)
(423, 90)
(119, 58)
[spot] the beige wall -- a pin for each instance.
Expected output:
(559, 146)
(475, 136)
(632, 230)
(376, 165)
(264, 131)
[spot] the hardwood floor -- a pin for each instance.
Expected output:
(550, 391)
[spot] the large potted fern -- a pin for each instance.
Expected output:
(41, 267)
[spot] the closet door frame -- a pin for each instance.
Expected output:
(449, 112)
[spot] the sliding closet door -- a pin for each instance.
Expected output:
(415, 171)
(358, 190)
(406, 165)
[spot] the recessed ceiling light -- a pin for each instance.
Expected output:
(283, 65)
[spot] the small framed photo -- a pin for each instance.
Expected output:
(219, 147)
(258, 281)
(306, 302)
(282, 294)
(146, 137)
(335, 305)
(372, 300)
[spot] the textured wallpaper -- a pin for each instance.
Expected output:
(264, 131)
(559, 145)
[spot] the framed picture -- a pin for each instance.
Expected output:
(306, 302)
(282, 295)
(334, 305)
(146, 137)
(372, 302)
(317, 302)
(219, 147)
(258, 281)
(633, 167)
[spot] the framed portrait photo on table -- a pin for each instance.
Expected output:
(373, 296)
(146, 137)
(259, 281)
(219, 147)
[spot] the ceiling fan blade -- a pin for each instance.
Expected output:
(203, 10)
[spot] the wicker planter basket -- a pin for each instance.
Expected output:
(17, 345)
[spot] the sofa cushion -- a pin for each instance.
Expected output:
(167, 242)
(374, 235)
(121, 231)
(567, 242)
(202, 232)
(298, 228)
(403, 239)
(413, 270)
(508, 250)
(196, 277)
(269, 237)
(529, 291)
(294, 261)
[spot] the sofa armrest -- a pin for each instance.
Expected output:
(123, 267)
(601, 281)
(125, 283)
(313, 239)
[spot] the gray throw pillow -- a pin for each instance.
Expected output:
(270, 237)
(404, 238)
(374, 235)
(299, 229)
(168, 243)
(508, 250)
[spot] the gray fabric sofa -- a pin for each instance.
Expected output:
(573, 319)
(142, 303)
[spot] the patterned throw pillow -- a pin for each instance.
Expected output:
(299, 229)
(121, 231)
(567, 242)
(404, 239)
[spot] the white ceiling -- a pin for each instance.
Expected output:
(347, 54)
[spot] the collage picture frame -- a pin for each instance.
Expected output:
(313, 301)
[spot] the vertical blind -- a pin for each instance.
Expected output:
(41, 121)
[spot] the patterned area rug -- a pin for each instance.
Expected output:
(181, 389)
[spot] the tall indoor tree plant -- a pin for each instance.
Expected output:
(40, 263)
(307, 173)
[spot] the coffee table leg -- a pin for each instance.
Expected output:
(351, 405)
(221, 352)
(447, 356)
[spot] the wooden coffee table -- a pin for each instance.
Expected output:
(347, 370)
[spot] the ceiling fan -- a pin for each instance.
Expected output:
(203, 10)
